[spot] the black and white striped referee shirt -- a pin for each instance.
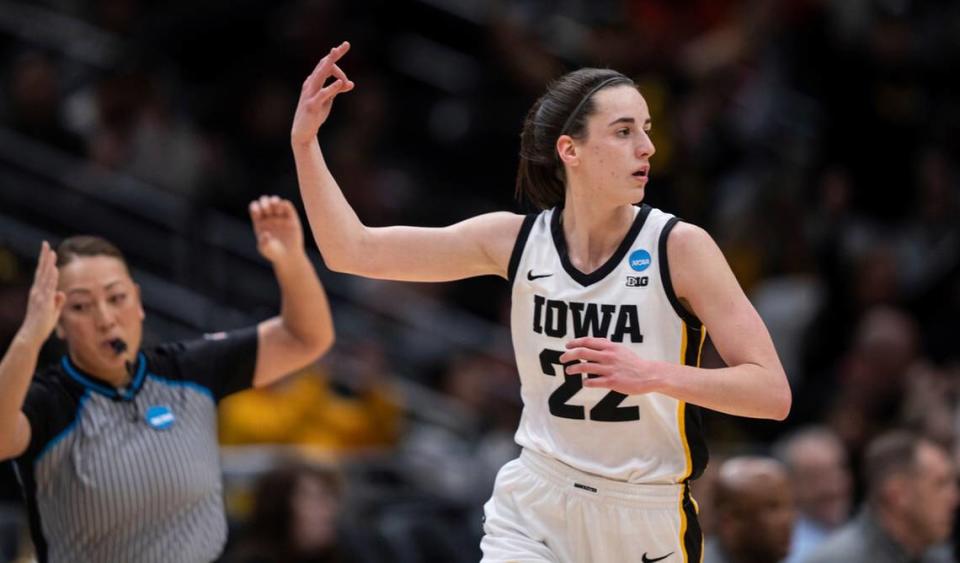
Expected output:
(133, 474)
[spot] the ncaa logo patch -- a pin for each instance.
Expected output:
(640, 260)
(159, 417)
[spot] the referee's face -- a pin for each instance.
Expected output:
(102, 305)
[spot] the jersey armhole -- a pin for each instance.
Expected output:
(687, 317)
(519, 245)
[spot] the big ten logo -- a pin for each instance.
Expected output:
(637, 281)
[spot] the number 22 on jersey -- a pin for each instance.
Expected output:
(608, 409)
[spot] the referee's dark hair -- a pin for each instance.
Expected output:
(891, 454)
(86, 245)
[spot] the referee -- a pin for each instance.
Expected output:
(116, 446)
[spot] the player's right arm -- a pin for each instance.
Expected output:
(478, 246)
(20, 361)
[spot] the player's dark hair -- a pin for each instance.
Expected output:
(562, 110)
(86, 245)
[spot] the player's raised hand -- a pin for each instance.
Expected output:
(612, 366)
(316, 96)
(45, 301)
(277, 228)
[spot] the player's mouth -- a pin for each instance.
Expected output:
(642, 172)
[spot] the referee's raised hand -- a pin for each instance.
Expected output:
(45, 301)
(277, 228)
(317, 99)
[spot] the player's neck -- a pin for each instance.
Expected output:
(593, 232)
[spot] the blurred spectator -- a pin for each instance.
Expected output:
(34, 99)
(340, 405)
(872, 377)
(929, 405)
(165, 149)
(298, 517)
(754, 516)
(909, 508)
(822, 486)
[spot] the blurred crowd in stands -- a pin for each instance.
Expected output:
(817, 140)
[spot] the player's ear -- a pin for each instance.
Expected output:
(567, 150)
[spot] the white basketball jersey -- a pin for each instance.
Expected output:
(649, 438)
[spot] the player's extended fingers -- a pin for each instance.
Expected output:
(602, 380)
(328, 64)
(326, 67)
(587, 354)
(338, 73)
(590, 342)
(329, 92)
(588, 368)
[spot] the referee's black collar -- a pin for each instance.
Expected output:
(98, 385)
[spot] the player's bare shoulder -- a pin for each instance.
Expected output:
(698, 269)
(686, 238)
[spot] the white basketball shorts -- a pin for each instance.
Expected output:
(544, 510)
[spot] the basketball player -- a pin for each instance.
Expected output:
(611, 303)
(116, 446)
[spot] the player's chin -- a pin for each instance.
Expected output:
(637, 193)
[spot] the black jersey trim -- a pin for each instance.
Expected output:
(519, 245)
(693, 434)
(692, 535)
(95, 384)
(593, 277)
(678, 307)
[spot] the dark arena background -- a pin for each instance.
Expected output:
(816, 140)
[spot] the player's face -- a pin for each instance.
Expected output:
(102, 305)
(617, 150)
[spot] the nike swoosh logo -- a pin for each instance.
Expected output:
(531, 276)
(646, 559)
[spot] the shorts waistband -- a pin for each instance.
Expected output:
(566, 477)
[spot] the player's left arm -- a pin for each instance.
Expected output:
(304, 330)
(754, 385)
